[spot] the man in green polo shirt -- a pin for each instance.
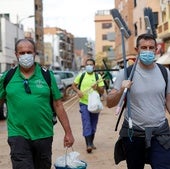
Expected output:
(29, 119)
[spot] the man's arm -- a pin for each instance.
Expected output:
(75, 88)
(114, 96)
(63, 118)
(99, 89)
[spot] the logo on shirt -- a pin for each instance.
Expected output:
(39, 83)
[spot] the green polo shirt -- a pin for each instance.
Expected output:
(87, 82)
(29, 115)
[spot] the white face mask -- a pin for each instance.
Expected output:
(89, 68)
(26, 60)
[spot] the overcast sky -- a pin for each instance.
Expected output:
(75, 16)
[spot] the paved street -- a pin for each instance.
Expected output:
(101, 158)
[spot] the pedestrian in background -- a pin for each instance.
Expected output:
(89, 120)
(29, 118)
(148, 141)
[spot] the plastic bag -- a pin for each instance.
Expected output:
(94, 103)
(71, 160)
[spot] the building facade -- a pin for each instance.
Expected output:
(104, 37)
(9, 33)
(164, 24)
(133, 14)
(125, 8)
(62, 46)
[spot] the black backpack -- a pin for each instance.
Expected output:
(46, 74)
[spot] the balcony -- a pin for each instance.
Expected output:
(164, 30)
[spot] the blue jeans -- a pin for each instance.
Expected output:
(89, 120)
(28, 154)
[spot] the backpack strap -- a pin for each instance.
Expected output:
(81, 78)
(8, 76)
(46, 74)
(164, 74)
(96, 76)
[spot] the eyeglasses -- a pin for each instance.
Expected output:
(26, 86)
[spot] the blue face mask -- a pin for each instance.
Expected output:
(89, 68)
(147, 57)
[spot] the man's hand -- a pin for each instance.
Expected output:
(126, 84)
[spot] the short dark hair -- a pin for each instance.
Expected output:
(92, 60)
(145, 36)
(24, 40)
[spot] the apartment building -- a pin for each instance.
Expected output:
(61, 51)
(104, 38)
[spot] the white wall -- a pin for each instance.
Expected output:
(8, 38)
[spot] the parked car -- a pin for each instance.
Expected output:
(67, 78)
(60, 84)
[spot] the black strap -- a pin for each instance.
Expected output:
(80, 81)
(165, 75)
(9, 76)
(46, 74)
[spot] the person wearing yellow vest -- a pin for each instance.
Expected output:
(89, 120)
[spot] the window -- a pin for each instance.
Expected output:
(106, 25)
(140, 23)
(155, 17)
(104, 37)
(135, 3)
(136, 29)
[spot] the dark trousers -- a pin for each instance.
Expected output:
(137, 155)
(135, 152)
(160, 157)
(28, 154)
